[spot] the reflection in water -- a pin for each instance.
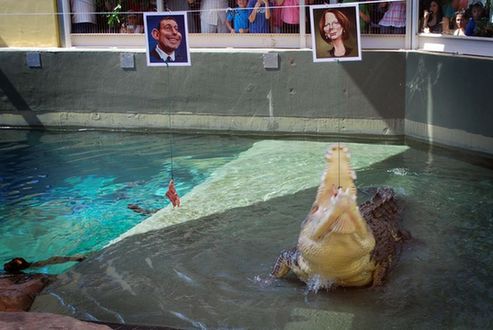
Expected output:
(212, 272)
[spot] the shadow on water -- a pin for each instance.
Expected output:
(18, 102)
(471, 157)
(212, 272)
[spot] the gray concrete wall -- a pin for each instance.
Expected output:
(448, 100)
(221, 90)
(439, 98)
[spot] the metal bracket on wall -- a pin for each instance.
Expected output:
(33, 59)
(127, 61)
(271, 60)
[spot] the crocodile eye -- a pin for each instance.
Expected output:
(314, 209)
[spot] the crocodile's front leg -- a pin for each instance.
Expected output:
(287, 260)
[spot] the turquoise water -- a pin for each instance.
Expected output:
(67, 193)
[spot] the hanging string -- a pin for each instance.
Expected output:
(171, 193)
(170, 124)
(338, 138)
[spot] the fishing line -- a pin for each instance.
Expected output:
(339, 135)
(170, 127)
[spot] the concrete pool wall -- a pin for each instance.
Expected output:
(390, 94)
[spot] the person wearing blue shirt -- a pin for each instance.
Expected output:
(259, 15)
(474, 25)
(239, 17)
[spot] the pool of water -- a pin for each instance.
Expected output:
(205, 265)
(67, 193)
(211, 272)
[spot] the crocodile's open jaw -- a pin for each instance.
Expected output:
(333, 216)
(336, 198)
(335, 241)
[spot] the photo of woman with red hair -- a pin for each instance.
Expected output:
(338, 33)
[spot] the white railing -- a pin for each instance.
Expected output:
(288, 36)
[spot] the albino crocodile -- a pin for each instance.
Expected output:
(339, 244)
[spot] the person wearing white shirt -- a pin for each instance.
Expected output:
(83, 16)
(213, 16)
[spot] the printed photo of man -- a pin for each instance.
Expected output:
(167, 39)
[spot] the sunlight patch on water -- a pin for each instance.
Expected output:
(319, 319)
(269, 169)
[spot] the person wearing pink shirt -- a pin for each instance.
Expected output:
(290, 15)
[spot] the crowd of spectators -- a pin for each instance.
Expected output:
(454, 17)
(457, 17)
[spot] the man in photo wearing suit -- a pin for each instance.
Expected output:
(168, 37)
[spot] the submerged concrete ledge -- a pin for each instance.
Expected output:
(177, 121)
